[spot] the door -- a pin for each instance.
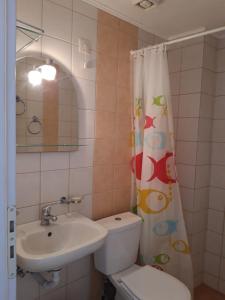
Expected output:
(7, 149)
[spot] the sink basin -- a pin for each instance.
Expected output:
(45, 248)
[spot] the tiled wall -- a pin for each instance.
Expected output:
(104, 125)
(112, 176)
(191, 66)
(45, 177)
(100, 171)
(215, 242)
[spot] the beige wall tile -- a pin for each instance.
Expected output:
(110, 20)
(103, 205)
(104, 151)
(105, 124)
(103, 179)
(106, 96)
(108, 40)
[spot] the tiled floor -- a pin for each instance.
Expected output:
(205, 293)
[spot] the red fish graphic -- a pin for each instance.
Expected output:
(160, 169)
(149, 122)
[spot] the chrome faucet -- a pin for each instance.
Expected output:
(46, 216)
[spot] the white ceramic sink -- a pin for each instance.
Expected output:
(44, 248)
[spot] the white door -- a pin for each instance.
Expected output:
(7, 149)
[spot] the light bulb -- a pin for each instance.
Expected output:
(48, 72)
(35, 77)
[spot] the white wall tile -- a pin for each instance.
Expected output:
(215, 221)
(27, 189)
(175, 83)
(79, 289)
(78, 269)
(85, 207)
(202, 176)
(192, 56)
(211, 281)
(186, 175)
(222, 269)
(217, 199)
(198, 246)
(210, 55)
(57, 21)
(219, 107)
(175, 105)
(189, 105)
(203, 153)
(54, 185)
(201, 199)
(214, 243)
(222, 286)
(84, 28)
(86, 124)
(204, 130)
(30, 11)
(218, 130)
(218, 153)
(27, 214)
(191, 81)
(78, 60)
(208, 82)
(218, 176)
(66, 3)
(220, 87)
(80, 181)
(199, 221)
(174, 60)
(85, 93)
(220, 62)
(187, 197)
(59, 50)
(27, 162)
(83, 157)
(211, 264)
(187, 129)
(85, 9)
(186, 152)
(58, 294)
(27, 288)
(54, 161)
(206, 107)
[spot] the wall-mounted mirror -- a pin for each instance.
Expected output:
(46, 108)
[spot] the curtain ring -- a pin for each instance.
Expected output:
(35, 121)
(19, 100)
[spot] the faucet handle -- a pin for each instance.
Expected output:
(46, 210)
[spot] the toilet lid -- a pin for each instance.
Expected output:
(148, 283)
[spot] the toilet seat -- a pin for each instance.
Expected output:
(147, 283)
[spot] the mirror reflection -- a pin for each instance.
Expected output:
(46, 110)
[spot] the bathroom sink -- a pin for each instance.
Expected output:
(45, 248)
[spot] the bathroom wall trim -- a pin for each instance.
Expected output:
(7, 137)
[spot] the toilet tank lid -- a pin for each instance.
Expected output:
(120, 222)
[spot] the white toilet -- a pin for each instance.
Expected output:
(117, 258)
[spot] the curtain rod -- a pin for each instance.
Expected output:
(182, 39)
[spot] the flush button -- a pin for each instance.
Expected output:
(118, 219)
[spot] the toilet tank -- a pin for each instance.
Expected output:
(120, 249)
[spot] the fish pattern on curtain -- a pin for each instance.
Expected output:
(164, 243)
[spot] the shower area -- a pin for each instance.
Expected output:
(197, 76)
(197, 82)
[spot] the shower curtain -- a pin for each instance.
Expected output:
(164, 243)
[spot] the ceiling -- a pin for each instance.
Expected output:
(171, 17)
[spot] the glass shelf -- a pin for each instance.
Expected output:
(26, 34)
(55, 145)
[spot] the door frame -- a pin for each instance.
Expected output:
(7, 140)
